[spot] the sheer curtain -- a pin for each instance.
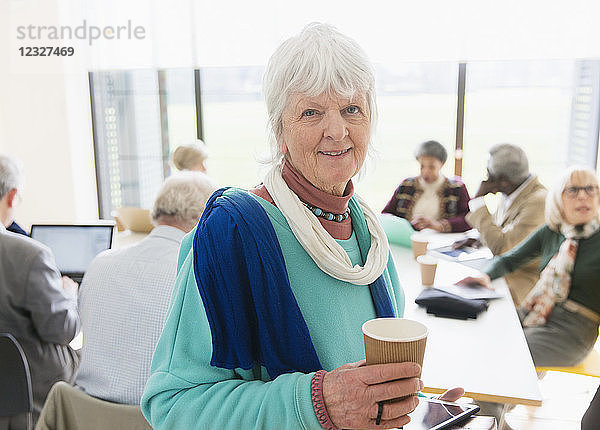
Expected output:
(188, 33)
(415, 47)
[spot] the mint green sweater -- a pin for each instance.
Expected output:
(185, 392)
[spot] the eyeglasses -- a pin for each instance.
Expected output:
(590, 191)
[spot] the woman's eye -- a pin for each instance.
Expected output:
(309, 112)
(352, 110)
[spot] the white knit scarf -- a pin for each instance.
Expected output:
(327, 254)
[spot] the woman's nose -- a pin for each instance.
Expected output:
(335, 126)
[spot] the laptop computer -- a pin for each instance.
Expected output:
(74, 246)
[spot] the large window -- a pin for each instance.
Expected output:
(527, 103)
(235, 124)
(138, 117)
(550, 108)
(417, 102)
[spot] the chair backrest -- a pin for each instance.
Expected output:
(67, 407)
(15, 380)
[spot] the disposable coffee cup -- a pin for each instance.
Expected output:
(394, 340)
(428, 265)
(419, 244)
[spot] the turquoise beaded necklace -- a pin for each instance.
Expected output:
(328, 215)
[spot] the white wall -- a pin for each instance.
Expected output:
(45, 122)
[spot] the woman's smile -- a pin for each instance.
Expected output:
(335, 154)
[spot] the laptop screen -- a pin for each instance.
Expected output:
(74, 246)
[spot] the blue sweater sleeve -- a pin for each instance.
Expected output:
(185, 391)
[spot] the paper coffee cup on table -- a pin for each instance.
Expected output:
(428, 266)
(394, 340)
(419, 244)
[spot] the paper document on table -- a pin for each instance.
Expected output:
(462, 254)
(470, 292)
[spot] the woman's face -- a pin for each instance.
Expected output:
(430, 168)
(325, 138)
(580, 202)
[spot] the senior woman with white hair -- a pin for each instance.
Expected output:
(191, 156)
(560, 315)
(264, 329)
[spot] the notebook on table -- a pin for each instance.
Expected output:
(74, 246)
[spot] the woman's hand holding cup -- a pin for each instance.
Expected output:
(353, 391)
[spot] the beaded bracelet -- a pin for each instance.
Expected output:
(316, 394)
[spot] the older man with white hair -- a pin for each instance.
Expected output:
(37, 306)
(125, 294)
(12, 182)
(520, 211)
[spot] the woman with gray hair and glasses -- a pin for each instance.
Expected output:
(431, 200)
(560, 315)
(264, 329)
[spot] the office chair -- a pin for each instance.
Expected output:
(15, 380)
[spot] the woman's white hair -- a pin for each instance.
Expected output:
(319, 60)
(11, 174)
(555, 214)
(186, 157)
(182, 197)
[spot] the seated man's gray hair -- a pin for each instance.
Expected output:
(11, 174)
(182, 197)
(508, 161)
(432, 148)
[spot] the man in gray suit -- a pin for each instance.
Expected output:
(37, 306)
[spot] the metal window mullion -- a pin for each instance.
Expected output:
(163, 104)
(198, 94)
(460, 119)
(97, 156)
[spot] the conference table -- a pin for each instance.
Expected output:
(487, 356)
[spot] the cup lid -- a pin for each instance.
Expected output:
(426, 259)
(395, 329)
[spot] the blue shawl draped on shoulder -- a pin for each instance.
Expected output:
(242, 278)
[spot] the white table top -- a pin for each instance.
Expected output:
(487, 356)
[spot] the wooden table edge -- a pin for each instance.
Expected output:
(490, 398)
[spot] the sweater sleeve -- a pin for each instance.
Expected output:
(53, 310)
(458, 223)
(502, 239)
(390, 207)
(520, 255)
(185, 391)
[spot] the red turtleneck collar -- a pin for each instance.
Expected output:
(310, 194)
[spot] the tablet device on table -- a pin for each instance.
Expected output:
(433, 414)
